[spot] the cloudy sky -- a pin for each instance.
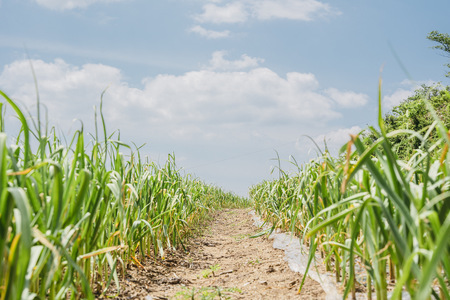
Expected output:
(222, 84)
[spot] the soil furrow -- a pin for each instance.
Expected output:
(223, 262)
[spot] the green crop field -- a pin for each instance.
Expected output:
(370, 212)
(75, 211)
(70, 218)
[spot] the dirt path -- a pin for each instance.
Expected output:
(222, 263)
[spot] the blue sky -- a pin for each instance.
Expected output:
(220, 83)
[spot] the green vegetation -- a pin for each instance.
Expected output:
(412, 114)
(383, 208)
(212, 269)
(72, 217)
(444, 40)
(372, 212)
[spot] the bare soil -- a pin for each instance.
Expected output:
(222, 262)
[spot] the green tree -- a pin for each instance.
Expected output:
(444, 40)
(413, 114)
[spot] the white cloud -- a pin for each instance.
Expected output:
(68, 92)
(211, 34)
(223, 102)
(233, 99)
(218, 62)
(348, 98)
(241, 10)
(234, 12)
(70, 4)
(202, 104)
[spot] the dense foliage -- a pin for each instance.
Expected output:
(73, 217)
(413, 114)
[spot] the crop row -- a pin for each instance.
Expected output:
(74, 215)
(368, 210)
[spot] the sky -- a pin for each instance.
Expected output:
(228, 86)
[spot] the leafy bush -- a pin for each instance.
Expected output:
(412, 114)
